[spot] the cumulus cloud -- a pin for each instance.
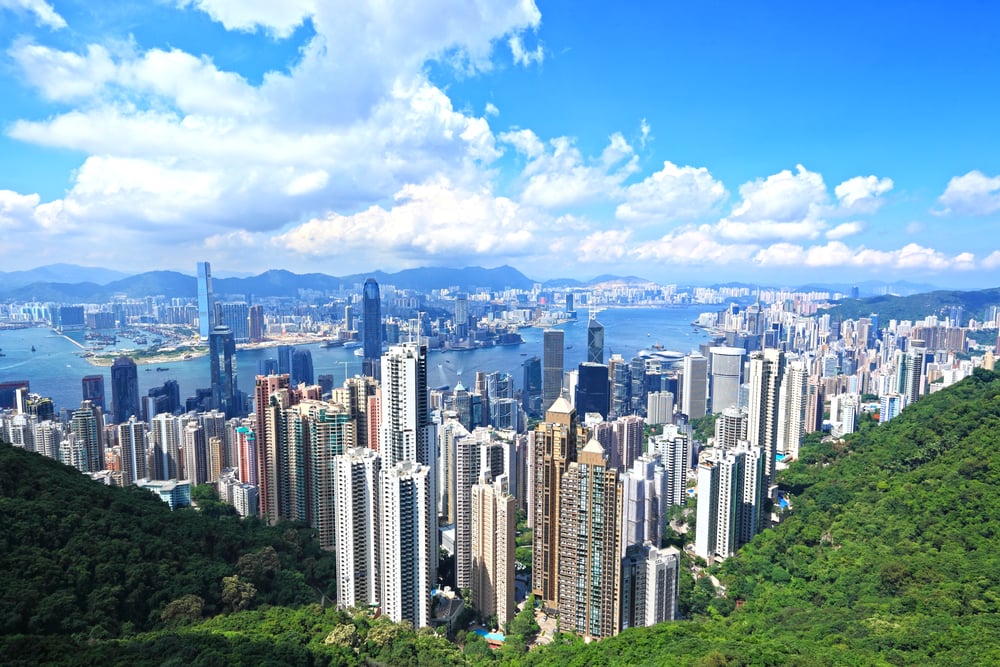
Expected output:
(45, 14)
(975, 193)
(521, 55)
(16, 209)
(785, 205)
(863, 194)
(844, 230)
(673, 193)
(992, 261)
(836, 254)
(604, 246)
(278, 18)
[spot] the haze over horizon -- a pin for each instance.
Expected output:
(691, 144)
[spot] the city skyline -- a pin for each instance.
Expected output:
(671, 142)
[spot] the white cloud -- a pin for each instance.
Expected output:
(278, 18)
(523, 56)
(673, 193)
(836, 254)
(844, 230)
(563, 178)
(491, 109)
(781, 206)
(430, 220)
(972, 194)
(16, 209)
(44, 13)
(308, 182)
(645, 133)
(692, 245)
(862, 194)
(991, 261)
(604, 246)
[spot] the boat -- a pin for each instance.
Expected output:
(160, 369)
(332, 343)
(358, 352)
(352, 344)
(32, 348)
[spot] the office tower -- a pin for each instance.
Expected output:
(552, 366)
(195, 454)
(593, 389)
(87, 427)
(93, 390)
(643, 503)
(660, 407)
(621, 385)
(461, 315)
(494, 519)
(727, 375)
(730, 500)
(236, 316)
(672, 451)
(406, 429)
(695, 388)
(792, 409)
(555, 446)
(649, 585)
(531, 392)
(165, 438)
(371, 338)
(132, 441)
(589, 558)
(408, 542)
(222, 353)
(638, 387)
(356, 527)
(206, 303)
(766, 371)
(302, 367)
(328, 431)
(124, 390)
(595, 340)
(569, 305)
(267, 445)
(730, 428)
(255, 323)
(165, 398)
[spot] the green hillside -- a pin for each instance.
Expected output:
(889, 558)
(916, 306)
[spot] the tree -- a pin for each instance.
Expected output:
(237, 593)
(184, 609)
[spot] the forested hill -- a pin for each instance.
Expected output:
(78, 558)
(889, 557)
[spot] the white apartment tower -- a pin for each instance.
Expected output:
(356, 522)
(494, 519)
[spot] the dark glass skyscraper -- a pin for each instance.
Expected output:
(222, 350)
(124, 390)
(302, 367)
(595, 341)
(593, 389)
(371, 312)
(93, 390)
(552, 366)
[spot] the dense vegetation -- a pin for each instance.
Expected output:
(888, 558)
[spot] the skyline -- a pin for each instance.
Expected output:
(681, 144)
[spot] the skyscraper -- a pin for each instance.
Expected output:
(408, 542)
(406, 429)
(554, 449)
(206, 304)
(766, 370)
(493, 522)
(589, 558)
(727, 374)
(552, 366)
(93, 390)
(731, 488)
(267, 445)
(222, 352)
(124, 390)
(792, 409)
(371, 313)
(236, 316)
(531, 393)
(87, 429)
(649, 585)
(695, 387)
(356, 527)
(132, 440)
(595, 340)
(302, 367)
(255, 323)
(593, 389)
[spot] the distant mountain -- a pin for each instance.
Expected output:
(917, 306)
(565, 283)
(268, 284)
(873, 288)
(60, 273)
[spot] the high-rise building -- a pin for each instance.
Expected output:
(166, 438)
(593, 389)
(302, 367)
(132, 441)
(356, 527)
(595, 340)
(195, 453)
(408, 542)
(93, 390)
(406, 430)
(475, 453)
(255, 323)
(643, 502)
(222, 353)
(792, 409)
(328, 432)
(694, 393)
(649, 585)
(266, 439)
(890, 406)
(727, 374)
(589, 557)
(461, 315)
(531, 392)
(552, 366)
(764, 380)
(660, 407)
(672, 451)
(492, 540)
(206, 303)
(730, 428)
(555, 445)
(236, 316)
(124, 390)
(731, 489)
(87, 429)
(371, 338)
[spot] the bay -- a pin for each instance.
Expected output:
(55, 368)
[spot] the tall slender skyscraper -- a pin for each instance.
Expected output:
(552, 366)
(356, 527)
(222, 349)
(93, 390)
(124, 390)
(766, 371)
(371, 338)
(206, 304)
(695, 389)
(595, 340)
(406, 428)
(493, 523)
(266, 440)
(87, 429)
(302, 367)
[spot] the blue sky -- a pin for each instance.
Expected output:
(683, 142)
